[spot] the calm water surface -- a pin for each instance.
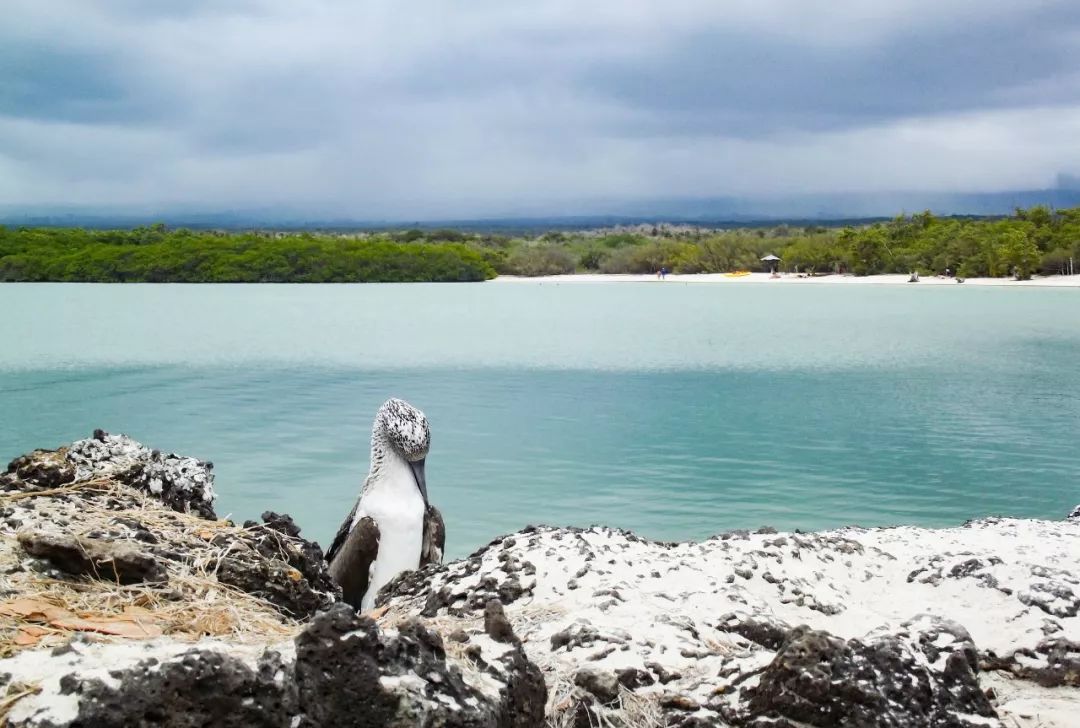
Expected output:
(675, 410)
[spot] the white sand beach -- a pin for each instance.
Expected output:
(791, 278)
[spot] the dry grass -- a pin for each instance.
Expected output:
(632, 710)
(562, 702)
(102, 485)
(191, 605)
(13, 694)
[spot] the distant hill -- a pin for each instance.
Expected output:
(856, 205)
(821, 209)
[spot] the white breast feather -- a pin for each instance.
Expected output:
(394, 502)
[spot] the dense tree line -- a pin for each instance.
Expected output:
(1037, 240)
(1031, 241)
(156, 254)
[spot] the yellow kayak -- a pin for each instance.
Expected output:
(738, 274)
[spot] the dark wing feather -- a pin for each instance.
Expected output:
(342, 533)
(351, 563)
(431, 550)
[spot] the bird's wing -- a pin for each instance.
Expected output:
(353, 559)
(342, 534)
(431, 550)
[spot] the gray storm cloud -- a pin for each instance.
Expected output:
(435, 109)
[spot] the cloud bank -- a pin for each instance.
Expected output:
(428, 109)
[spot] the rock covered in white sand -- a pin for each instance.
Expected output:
(183, 483)
(341, 670)
(746, 628)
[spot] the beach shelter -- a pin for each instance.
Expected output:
(771, 261)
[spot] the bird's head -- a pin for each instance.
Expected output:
(405, 428)
(408, 434)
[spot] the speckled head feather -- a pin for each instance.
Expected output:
(404, 428)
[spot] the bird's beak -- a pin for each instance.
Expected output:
(418, 473)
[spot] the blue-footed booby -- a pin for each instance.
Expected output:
(392, 528)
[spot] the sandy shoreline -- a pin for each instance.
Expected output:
(791, 278)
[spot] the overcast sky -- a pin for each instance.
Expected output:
(426, 108)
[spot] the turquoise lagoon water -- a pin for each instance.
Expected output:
(674, 410)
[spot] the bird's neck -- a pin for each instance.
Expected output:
(390, 473)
